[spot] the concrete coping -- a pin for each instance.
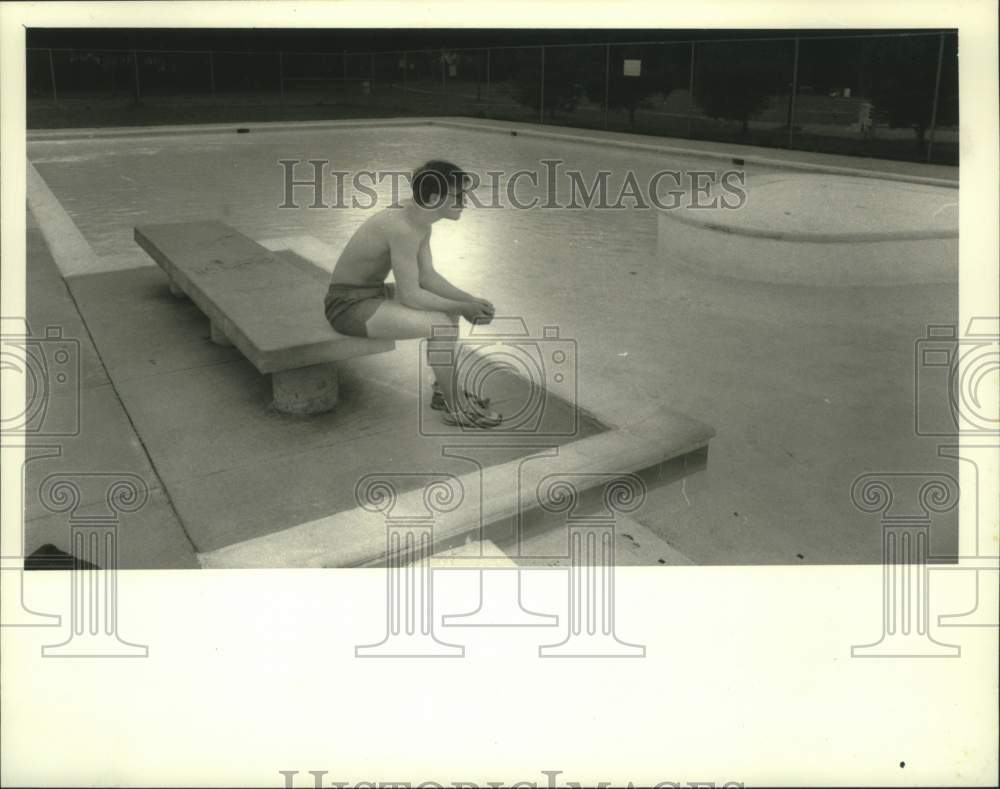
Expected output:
(357, 537)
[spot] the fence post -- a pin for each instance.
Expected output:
(607, 82)
(791, 99)
(934, 106)
(211, 71)
(135, 60)
(541, 103)
(691, 93)
(487, 74)
(52, 75)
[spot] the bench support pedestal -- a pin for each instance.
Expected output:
(307, 390)
(176, 291)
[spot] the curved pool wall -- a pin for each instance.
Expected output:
(817, 229)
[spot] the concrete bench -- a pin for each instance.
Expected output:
(268, 308)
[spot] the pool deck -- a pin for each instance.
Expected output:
(124, 422)
(106, 447)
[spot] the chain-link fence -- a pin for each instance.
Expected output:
(891, 96)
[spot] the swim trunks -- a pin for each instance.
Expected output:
(348, 307)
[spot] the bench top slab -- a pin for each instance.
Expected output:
(266, 306)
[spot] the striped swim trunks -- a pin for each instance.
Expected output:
(348, 307)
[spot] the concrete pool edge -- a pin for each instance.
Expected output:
(775, 157)
(69, 249)
(357, 537)
(112, 132)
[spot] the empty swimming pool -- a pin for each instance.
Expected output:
(807, 387)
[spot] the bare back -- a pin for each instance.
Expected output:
(366, 259)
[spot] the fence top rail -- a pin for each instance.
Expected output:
(341, 53)
(146, 51)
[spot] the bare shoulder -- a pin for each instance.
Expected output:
(393, 220)
(395, 227)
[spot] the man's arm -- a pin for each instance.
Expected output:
(403, 251)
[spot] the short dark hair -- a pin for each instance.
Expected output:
(432, 180)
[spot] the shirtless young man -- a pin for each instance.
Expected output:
(423, 304)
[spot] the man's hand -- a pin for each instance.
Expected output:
(488, 306)
(477, 312)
